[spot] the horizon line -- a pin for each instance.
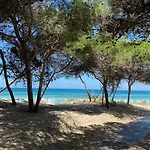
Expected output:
(75, 89)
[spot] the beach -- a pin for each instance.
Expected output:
(68, 126)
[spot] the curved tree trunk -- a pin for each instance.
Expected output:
(98, 94)
(29, 85)
(6, 78)
(89, 96)
(114, 93)
(9, 85)
(112, 99)
(106, 95)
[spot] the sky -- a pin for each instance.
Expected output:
(77, 84)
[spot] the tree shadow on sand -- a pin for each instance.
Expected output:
(20, 130)
(120, 110)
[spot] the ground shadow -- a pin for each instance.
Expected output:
(145, 143)
(20, 130)
(120, 110)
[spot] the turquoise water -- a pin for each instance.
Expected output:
(59, 95)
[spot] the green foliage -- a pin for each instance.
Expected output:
(144, 52)
(79, 17)
(69, 20)
(104, 44)
(82, 47)
(102, 8)
(126, 17)
(133, 51)
(50, 19)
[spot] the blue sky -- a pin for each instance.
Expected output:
(76, 84)
(93, 84)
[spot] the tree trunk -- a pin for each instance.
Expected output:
(9, 85)
(89, 96)
(103, 97)
(113, 97)
(39, 94)
(114, 93)
(106, 95)
(6, 78)
(97, 95)
(29, 85)
(129, 93)
(36, 108)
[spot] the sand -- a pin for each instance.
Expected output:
(73, 126)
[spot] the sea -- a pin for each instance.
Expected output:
(57, 96)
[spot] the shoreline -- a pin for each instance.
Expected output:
(82, 101)
(57, 96)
